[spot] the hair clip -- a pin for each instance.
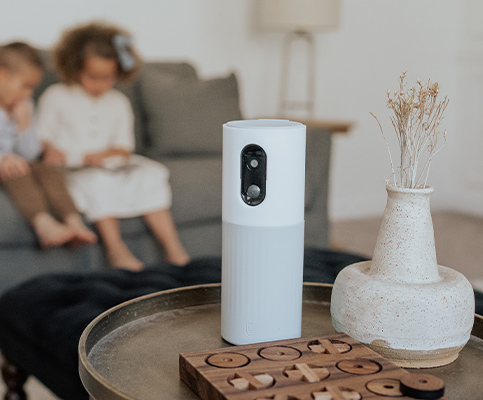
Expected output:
(126, 59)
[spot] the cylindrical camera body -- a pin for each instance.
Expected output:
(263, 230)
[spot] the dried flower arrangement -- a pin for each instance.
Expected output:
(416, 120)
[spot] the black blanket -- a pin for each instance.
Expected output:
(41, 320)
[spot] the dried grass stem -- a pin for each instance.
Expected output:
(416, 120)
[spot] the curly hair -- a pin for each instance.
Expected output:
(96, 38)
(15, 54)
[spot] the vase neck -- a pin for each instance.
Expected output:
(405, 250)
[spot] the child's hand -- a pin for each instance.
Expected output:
(22, 114)
(94, 159)
(13, 166)
(53, 156)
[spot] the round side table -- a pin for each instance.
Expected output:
(131, 351)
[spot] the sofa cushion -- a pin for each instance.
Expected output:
(162, 71)
(196, 186)
(186, 117)
(179, 70)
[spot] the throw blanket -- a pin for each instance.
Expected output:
(49, 313)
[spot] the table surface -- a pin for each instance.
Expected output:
(131, 351)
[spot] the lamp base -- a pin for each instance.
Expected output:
(287, 107)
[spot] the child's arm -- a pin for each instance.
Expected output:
(23, 114)
(121, 138)
(97, 159)
(26, 142)
(52, 155)
(13, 166)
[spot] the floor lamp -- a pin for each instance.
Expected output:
(300, 18)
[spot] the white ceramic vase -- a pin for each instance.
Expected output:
(402, 304)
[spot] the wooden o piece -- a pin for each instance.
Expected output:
(322, 396)
(342, 347)
(359, 366)
(227, 360)
(239, 383)
(385, 387)
(422, 386)
(265, 379)
(336, 393)
(279, 353)
(351, 395)
(276, 397)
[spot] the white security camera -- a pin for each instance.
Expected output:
(263, 230)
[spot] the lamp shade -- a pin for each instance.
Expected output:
(298, 15)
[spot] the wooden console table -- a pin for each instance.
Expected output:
(332, 125)
(335, 126)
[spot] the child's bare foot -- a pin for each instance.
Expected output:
(178, 257)
(162, 225)
(51, 232)
(83, 235)
(121, 257)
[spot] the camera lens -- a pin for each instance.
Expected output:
(254, 163)
(253, 191)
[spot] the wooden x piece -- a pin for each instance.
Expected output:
(245, 381)
(327, 347)
(303, 372)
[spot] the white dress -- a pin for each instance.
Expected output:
(78, 124)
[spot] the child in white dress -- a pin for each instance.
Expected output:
(87, 126)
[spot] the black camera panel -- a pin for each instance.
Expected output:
(253, 174)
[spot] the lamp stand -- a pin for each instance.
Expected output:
(307, 105)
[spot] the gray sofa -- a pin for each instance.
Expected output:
(179, 121)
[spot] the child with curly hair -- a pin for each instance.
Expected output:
(35, 188)
(88, 126)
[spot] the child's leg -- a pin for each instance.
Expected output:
(51, 181)
(33, 207)
(118, 255)
(161, 224)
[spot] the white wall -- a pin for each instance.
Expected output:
(468, 128)
(377, 39)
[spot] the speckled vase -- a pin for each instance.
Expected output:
(402, 304)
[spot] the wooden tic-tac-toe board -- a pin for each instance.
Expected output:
(334, 367)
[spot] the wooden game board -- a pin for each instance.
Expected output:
(334, 367)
